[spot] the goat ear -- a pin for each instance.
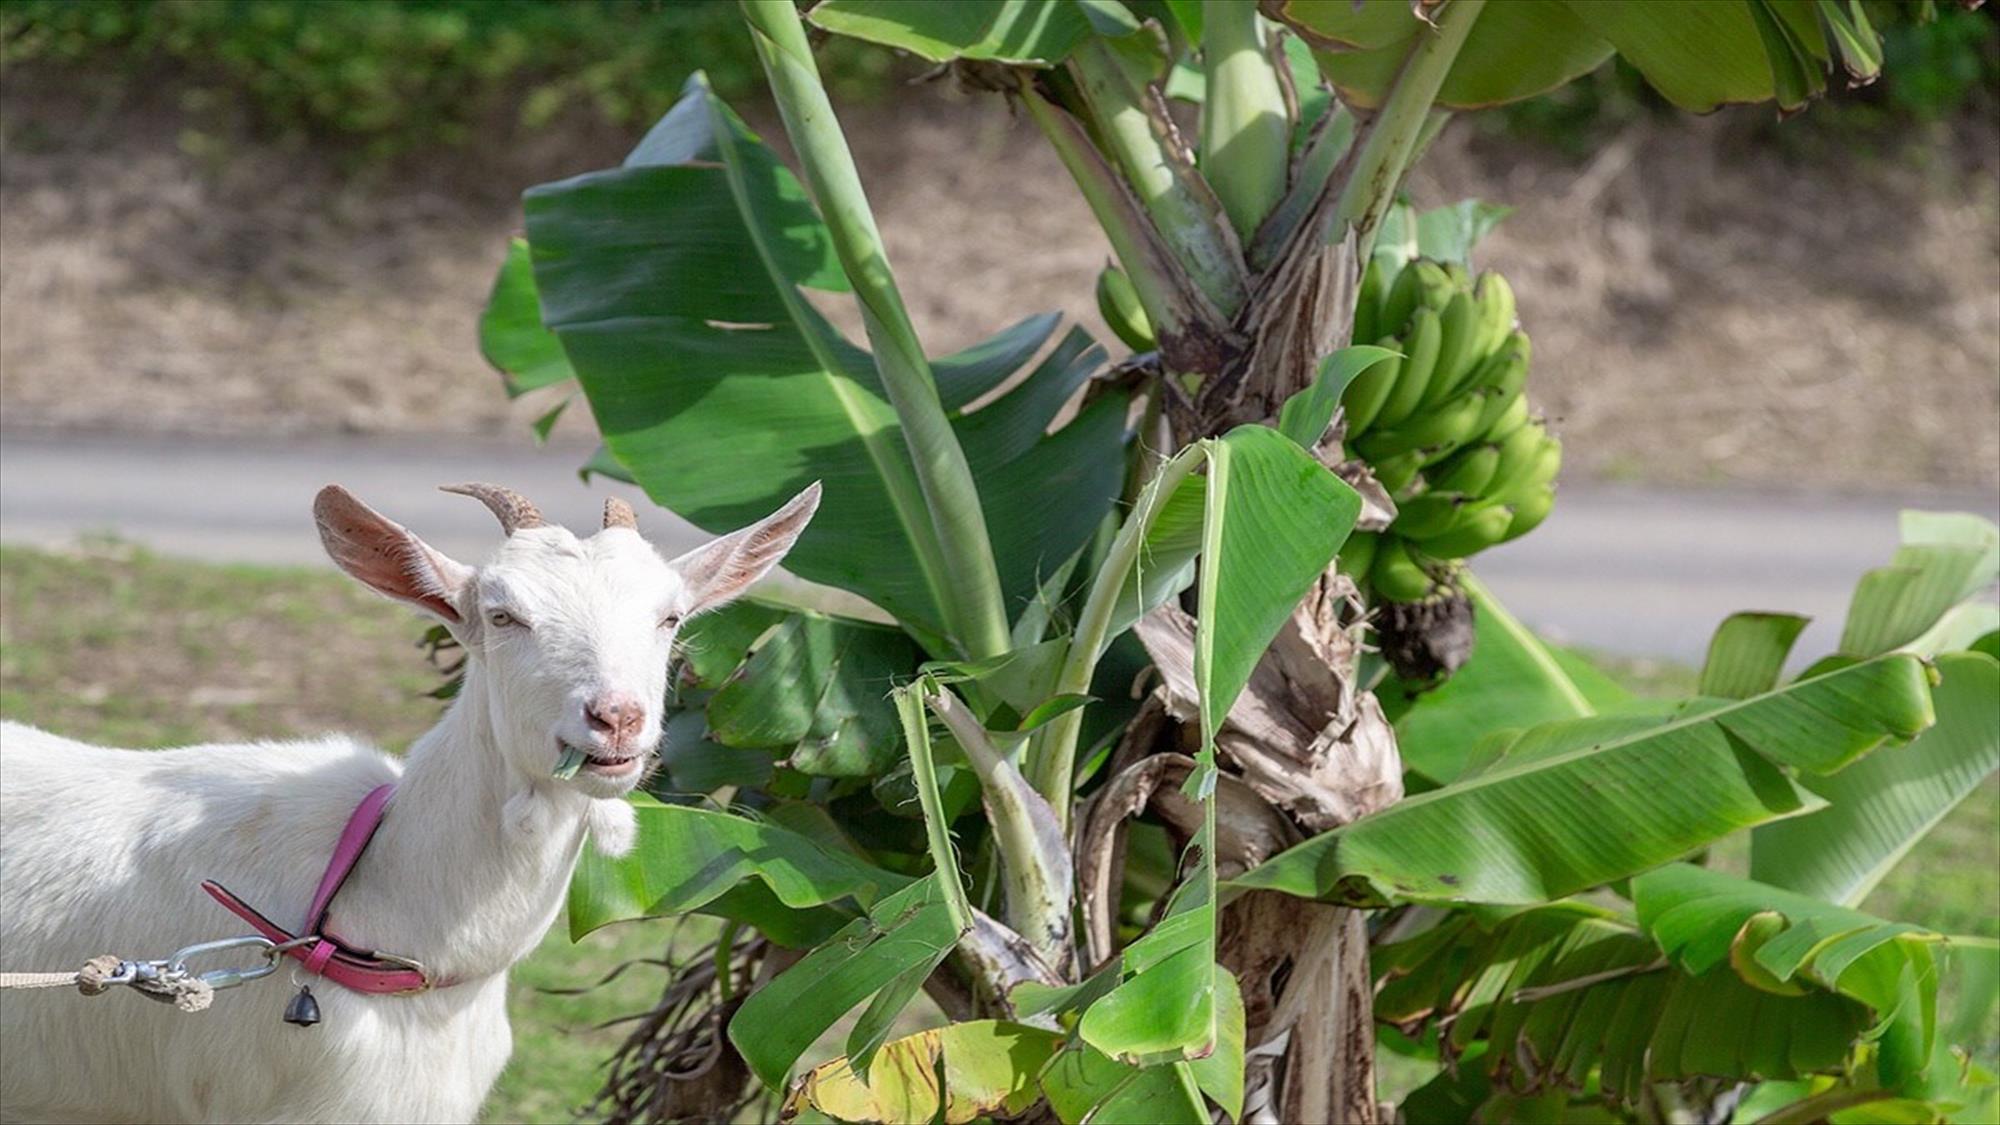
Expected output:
(720, 571)
(386, 557)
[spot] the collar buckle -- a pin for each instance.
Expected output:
(412, 964)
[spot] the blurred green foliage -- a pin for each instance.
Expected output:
(394, 75)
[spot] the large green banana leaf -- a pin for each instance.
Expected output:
(1556, 823)
(815, 695)
(1748, 652)
(1778, 940)
(1945, 558)
(689, 859)
(1563, 994)
(1028, 32)
(889, 952)
(1698, 55)
(1881, 806)
(764, 686)
(1513, 681)
(1083, 1085)
(674, 284)
(517, 344)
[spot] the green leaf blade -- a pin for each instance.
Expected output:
(1553, 826)
(1882, 806)
(687, 858)
(1276, 519)
(907, 933)
(511, 334)
(1748, 652)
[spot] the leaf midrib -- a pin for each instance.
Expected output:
(1550, 763)
(897, 475)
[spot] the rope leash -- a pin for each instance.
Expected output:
(89, 979)
(167, 980)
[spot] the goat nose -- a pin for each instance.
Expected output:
(616, 716)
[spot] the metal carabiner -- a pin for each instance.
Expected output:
(228, 977)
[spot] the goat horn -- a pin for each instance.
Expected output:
(617, 513)
(514, 510)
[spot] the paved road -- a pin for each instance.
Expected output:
(1633, 571)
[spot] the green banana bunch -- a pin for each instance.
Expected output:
(1445, 427)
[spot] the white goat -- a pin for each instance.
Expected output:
(567, 643)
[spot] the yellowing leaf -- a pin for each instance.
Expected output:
(987, 1067)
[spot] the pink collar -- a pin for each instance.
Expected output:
(323, 954)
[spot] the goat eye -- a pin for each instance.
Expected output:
(500, 619)
(670, 620)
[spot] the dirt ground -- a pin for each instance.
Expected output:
(1700, 315)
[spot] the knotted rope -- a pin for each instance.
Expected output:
(187, 992)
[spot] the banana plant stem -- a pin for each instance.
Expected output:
(1052, 753)
(1393, 135)
(1034, 855)
(1136, 131)
(1245, 129)
(1176, 306)
(973, 606)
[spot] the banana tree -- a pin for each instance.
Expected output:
(1169, 903)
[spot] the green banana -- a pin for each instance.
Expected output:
(1539, 471)
(1447, 427)
(1481, 528)
(1530, 511)
(1395, 575)
(1504, 375)
(1358, 554)
(1495, 299)
(1364, 397)
(1484, 370)
(1469, 470)
(1436, 434)
(1457, 329)
(1368, 303)
(1518, 451)
(1119, 304)
(1432, 513)
(1400, 302)
(1396, 473)
(1434, 286)
(1513, 415)
(1420, 351)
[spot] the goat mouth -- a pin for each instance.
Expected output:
(576, 759)
(611, 767)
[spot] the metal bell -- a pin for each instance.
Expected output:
(303, 1011)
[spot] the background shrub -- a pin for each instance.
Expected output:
(395, 75)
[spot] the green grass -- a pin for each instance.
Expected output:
(114, 645)
(559, 1047)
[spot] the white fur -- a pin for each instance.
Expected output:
(103, 851)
